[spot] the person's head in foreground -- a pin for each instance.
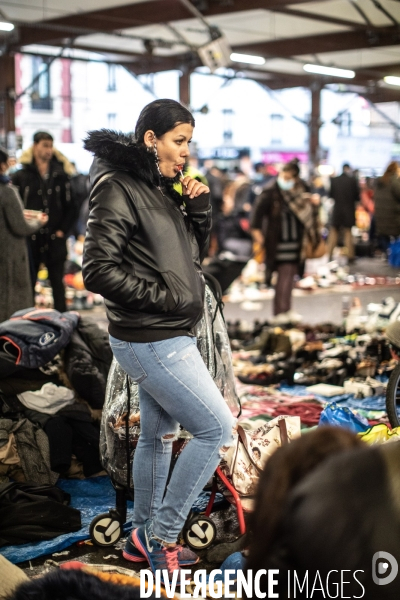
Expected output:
(326, 506)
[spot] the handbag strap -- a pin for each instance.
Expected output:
(243, 439)
(242, 436)
(284, 432)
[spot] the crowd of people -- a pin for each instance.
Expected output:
(271, 214)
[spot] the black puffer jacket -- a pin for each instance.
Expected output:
(140, 253)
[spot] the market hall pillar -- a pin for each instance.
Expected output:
(314, 126)
(184, 88)
(7, 97)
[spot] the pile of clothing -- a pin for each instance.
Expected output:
(53, 374)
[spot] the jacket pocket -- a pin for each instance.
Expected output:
(172, 288)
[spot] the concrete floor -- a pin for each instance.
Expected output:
(315, 307)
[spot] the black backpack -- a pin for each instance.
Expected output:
(31, 513)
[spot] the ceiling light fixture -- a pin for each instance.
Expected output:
(391, 80)
(4, 26)
(247, 58)
(333, 71)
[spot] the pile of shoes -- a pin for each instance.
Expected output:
(308, 355)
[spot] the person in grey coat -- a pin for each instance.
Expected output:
(387, 205)
(15, 280)
(345, 192)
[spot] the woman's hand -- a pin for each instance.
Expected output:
(43, 218)
(192, 187)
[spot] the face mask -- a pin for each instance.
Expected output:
(285, 185)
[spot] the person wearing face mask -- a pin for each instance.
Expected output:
(143, 251)
(15, 281)
(283, 221)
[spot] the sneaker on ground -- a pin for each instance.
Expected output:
(160, 558)
(186, 556)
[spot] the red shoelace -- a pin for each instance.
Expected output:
(171, 558)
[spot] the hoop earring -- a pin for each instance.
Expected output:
(157, 159)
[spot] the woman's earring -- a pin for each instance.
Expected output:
(157, 159)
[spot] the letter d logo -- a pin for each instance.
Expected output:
(382, 567)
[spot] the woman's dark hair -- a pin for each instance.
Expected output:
(391, 170)
(161, 116)
(286, 467)
(3, 156)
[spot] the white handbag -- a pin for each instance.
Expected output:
(244, 461)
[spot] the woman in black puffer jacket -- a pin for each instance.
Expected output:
(143, 250)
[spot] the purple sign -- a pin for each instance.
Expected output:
(283, 157)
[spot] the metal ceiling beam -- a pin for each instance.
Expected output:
(303, 14)
(328, 42)
(383, 95)
(135, 15)
(283, 48)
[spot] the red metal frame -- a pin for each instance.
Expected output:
(236, 498)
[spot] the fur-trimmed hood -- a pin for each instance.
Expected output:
(27, 159)
(117, 150)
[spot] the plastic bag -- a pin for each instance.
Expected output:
(380, 434)
(341, 416)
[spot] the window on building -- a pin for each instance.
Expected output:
(112, 78)
(276, 128)
(40, 95)
(112, 120)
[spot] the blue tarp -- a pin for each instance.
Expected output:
(91, 496)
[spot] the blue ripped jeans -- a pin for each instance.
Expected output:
(175, 388)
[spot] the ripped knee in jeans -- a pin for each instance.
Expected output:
(224, 449)
(169, 438)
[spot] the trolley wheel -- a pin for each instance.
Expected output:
(393, 397)
(200, 533)
(105, 530)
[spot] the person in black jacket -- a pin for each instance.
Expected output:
(44, 184)
(143, 251)
(346, 193)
